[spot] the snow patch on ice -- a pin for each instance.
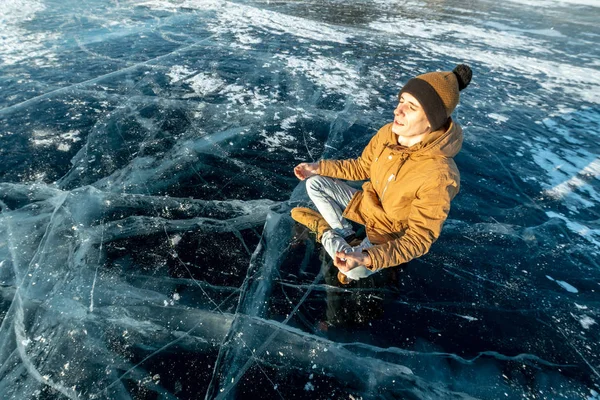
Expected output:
(17, 43)
(551, 32)
(204, 84)
(238, 19)
(245, 41)
(201, 83)
(570, 174)
(239, 16)
(289, 122)
(331, 74)
(278, 141)
(568, 287)
(281, 140)
(178, 73)
(555, 127)
(433, 30)
(498, 117)
(591, 235)
(557, 3)
(175, 239)
(174, 6)
(252, 99)
(586, 322)
(49, 138)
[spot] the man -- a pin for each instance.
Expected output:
(411, 180)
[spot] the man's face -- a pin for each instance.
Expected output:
(409, 117)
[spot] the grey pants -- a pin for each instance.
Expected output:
(331, 196)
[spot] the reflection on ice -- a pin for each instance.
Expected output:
(146, 248)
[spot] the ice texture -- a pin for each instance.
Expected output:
(146, 247)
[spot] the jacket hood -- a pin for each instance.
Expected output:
(441, 143)
(446, 143)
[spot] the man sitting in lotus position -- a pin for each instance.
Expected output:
(411, 180)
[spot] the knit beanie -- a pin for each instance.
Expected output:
(438, 92)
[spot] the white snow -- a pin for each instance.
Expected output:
(175, 239)
(178, 73)
(498, 117)
(16, 42)
(568, 287)
(240, 19)
(434, 29)
(586, 322)
(571, 174)
(558, 3)
(550, 32)
(331, 74)
(201, 83)
(278, 141)
(556, 127)
(50, 138)
(289, 122)
(591, 235)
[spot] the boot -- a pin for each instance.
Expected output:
(312, 220)
(343, 279)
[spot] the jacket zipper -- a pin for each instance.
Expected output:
(386, 186)
(403, 158)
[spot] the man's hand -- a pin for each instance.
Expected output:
(348, 261)
(306, 170)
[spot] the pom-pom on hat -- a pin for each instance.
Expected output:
(438, 92)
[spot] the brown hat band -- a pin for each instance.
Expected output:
(429, 99)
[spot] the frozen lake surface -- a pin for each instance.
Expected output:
(146, 248)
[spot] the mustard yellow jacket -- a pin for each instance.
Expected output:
(406, 199)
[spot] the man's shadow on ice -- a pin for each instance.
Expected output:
(353, 305)
(360, 302)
